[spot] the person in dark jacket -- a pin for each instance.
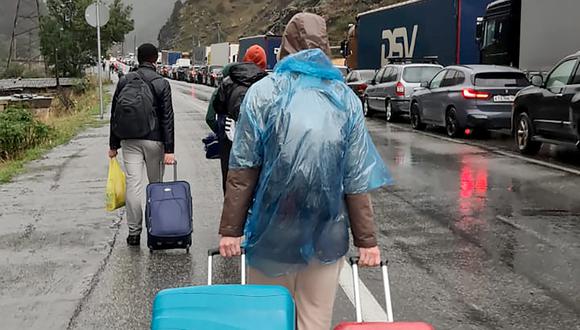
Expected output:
(211, 116)
(143, 157)
(229, 98)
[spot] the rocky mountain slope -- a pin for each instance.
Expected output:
(204, 22)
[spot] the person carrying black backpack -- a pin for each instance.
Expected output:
(142, 126)
(229, 98)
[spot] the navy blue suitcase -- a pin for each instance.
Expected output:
(169, 215)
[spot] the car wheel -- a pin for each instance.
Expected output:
(416, 123)
(524, 136)
(452, 124)
(366, 109)
(391, 116)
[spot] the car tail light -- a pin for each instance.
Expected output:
(471, 94)
(362, 87)
(400, 89)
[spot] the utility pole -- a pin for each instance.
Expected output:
(219, 32)
(56, 68)
(12, 51)
(193, 50)
(100, 68)
(31, 16)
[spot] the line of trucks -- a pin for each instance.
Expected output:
(531, 35)
(204, 64)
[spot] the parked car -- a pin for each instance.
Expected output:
(191, 75)
(359, 80)
(182, 73)
(173, 73)
(212, 76)
(391, 89)
(467, 97)
(201, 75)
(549, 112)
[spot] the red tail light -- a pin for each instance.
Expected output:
(400, 89)
(471, 94)
(362, 87)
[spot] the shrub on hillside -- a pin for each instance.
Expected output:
(19, 130)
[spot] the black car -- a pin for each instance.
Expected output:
(359, 80)
(549, 112)
(201, 74)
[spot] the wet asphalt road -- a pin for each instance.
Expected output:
(476, 239)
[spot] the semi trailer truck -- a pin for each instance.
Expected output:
(444, 29)
(529, 34)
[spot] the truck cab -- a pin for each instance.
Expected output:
(498, 33)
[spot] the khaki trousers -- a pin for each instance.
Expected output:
(314, 290)
(142, 159)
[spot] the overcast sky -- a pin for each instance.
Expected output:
(149, 16)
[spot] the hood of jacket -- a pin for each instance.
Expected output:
(304, 31)
(311, 62)
(246, 73)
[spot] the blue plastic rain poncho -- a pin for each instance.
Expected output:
(305, 129)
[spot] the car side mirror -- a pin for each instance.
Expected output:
(425, 84)
(373, 82)
(479, 29)
(537, 80)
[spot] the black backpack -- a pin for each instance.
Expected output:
(135, 115)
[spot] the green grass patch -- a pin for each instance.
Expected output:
(63, 128)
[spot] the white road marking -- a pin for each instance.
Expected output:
(508, 221)
(372, 311)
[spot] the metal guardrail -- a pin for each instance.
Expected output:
(35, 83)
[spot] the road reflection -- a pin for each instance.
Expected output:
(473, 188)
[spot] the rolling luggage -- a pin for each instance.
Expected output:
(169, 214)
(390, 325)
(224, 307)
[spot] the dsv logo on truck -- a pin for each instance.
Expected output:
(397, 41)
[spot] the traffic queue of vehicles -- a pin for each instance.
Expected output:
(495, 71)
(204, 65)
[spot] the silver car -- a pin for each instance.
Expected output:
(391, 89)
(462, 98)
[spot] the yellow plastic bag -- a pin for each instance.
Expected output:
(115, 186)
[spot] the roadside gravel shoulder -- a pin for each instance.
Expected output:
(55, 234)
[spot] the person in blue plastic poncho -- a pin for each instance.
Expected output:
(301, 168)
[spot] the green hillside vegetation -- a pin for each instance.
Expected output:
(197, 21)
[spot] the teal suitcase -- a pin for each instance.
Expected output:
(224, 307)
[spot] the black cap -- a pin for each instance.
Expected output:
(147, 53)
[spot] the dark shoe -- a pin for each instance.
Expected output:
(134, 240)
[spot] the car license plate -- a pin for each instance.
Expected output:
(504, 98)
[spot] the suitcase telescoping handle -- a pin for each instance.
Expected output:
(216, 252)
(356, 279)
(174, 171)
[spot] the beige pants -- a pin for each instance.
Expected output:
(142, 159)
(314, 290)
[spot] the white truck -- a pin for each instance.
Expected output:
(223, 53)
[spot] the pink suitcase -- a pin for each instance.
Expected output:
(390, 324)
